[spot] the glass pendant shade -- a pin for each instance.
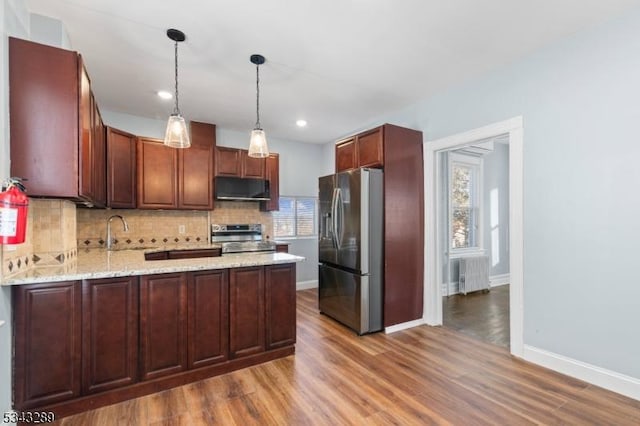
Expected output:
(258, 144)
(176, 135)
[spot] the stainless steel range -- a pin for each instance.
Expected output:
(241, 238)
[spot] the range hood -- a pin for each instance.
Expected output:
(241, 189)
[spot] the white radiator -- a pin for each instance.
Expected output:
(474, 274)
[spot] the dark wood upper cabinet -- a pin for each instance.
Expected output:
(252, 167)
(52, 132)
(121, 169)
(369, 146)
(346, 155)
(157, 175)
(109, 333)
(362, 150)
(99, 156)
(236, 162)
(163, 325)
(246, 310)
(272, 174)
(47, 324)
(280, 302)
(86, 133)
(195, 168)
(170, 178)
(208, 317)
(228, 162)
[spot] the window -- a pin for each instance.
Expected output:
(464, 196)
(296, 217)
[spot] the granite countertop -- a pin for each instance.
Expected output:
(100, 263)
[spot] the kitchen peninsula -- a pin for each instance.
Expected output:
(111, 326)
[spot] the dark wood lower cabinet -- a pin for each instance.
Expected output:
(83, 345)
(246, 306)
(163, 325)
(109, 333)
(280, 302)
(208, 322)
(47, 343)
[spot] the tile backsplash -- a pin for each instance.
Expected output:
(56, 229)
(242, 212)
(146, 227)
(50, 238)
(161, 227)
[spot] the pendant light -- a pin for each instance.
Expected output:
(176, 135)
(258, 144)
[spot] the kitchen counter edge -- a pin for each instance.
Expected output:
(104, 264)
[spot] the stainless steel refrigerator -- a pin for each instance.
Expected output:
(350, 248)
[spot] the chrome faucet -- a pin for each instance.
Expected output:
(109, 239)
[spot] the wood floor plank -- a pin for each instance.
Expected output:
(421, 376)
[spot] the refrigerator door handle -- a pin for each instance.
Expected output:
(334, 217)
(339, 231)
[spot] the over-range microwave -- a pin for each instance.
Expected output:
(241, 189)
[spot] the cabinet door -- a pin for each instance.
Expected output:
(157, 175)
(252, 167)
(163, 325)
(208, 322)
(370, 149)
(280, 305)
(109, 333)
(246, 309)
(121, 169)
(47, 333)
(195, 169)
(85, 154)
(228, 162)
(282, 248)
(272, 175)
(346, 155)
(98, 156)
(43, 101)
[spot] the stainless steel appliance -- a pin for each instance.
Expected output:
(350, 248)
(241, 238)
(241, 189)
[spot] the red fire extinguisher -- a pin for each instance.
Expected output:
(13, 212)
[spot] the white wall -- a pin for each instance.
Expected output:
(14, 21)
(48, 31)
(579, 102)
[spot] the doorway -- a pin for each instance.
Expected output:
(509, 131)
(472, 235)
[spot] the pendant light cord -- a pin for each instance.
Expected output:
(258, 97)
(176, 110)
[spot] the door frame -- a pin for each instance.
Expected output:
(432, 314)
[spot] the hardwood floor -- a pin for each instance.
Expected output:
(424, 375)
(483, 315)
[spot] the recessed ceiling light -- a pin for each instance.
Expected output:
(164, 94)
(301, 123)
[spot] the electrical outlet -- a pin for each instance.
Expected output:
(181, 229)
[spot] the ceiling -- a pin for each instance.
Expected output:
(338, 64)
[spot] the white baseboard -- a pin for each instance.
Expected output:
(305, 285)
(404, 326)
(611, 380)
(498, 280)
